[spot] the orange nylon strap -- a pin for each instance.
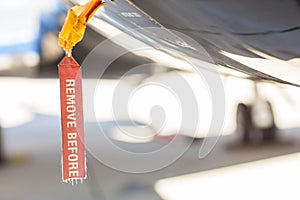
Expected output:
(74, 27)
(73, 147)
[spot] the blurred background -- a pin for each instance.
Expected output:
(249, 161)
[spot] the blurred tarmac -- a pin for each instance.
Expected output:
(33, 168)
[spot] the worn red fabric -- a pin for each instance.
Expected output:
(73, 147)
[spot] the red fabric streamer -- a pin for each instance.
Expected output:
(73, 147)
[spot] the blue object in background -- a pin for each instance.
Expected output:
(24, 24)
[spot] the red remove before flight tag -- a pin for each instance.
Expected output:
(73, 147)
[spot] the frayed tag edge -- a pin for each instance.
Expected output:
(75, 181)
